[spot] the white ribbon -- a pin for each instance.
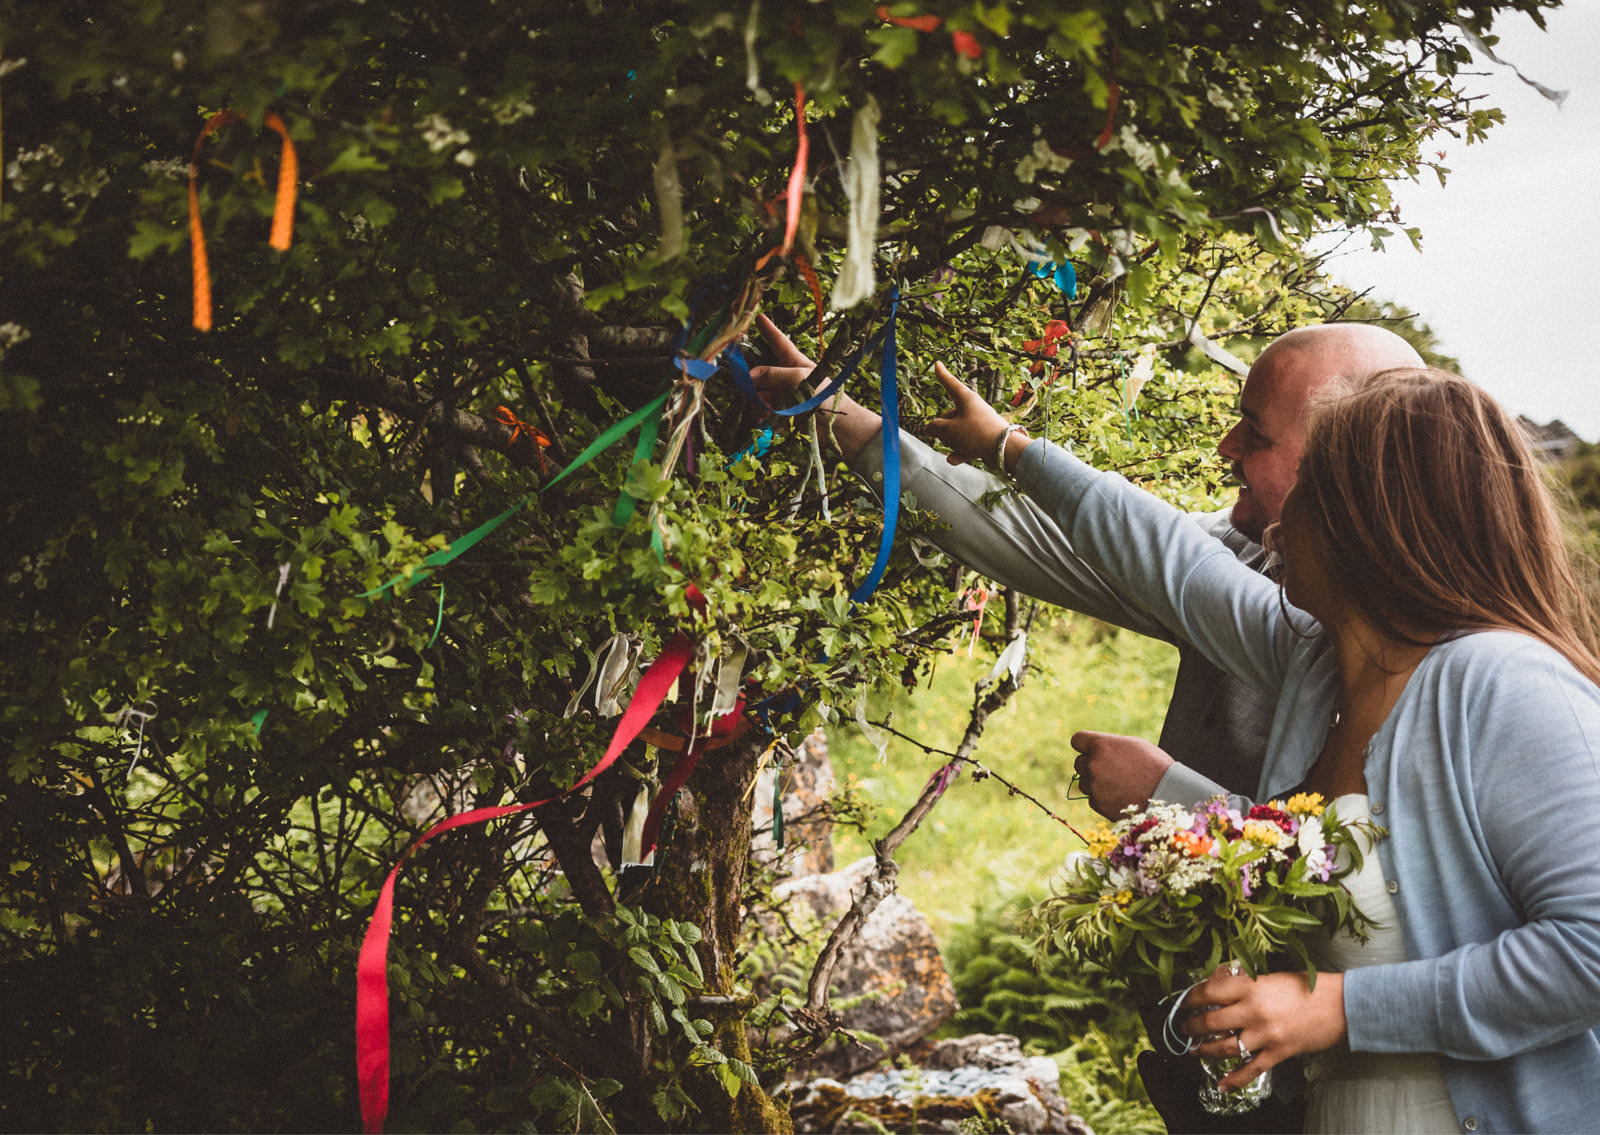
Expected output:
(877, 738)
(1012, 659)
(128, 713)
(283, 578)
(633, 829)
(669, 200)
(1477, 44)
(855, 281)
(611, 662)
(1216, 352)
(752, 64)
(729, 672)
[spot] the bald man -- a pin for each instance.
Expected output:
(1215, 731)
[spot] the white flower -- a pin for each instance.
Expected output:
(1313, 848)
(440, 135)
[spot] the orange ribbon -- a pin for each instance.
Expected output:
(282, 210)
(506, 417)
(797, 180)
(809, 274)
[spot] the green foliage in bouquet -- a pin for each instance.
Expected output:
(1170, 890)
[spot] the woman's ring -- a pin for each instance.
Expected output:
(1245, 1056)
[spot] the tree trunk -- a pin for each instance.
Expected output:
(699, 878)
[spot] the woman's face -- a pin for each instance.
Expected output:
(1306, 581)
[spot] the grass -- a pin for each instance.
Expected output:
(980, 845)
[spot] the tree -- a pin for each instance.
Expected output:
(221, 730)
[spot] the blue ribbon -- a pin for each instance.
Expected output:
(891, 456)
(1064, 274)
(740, 370)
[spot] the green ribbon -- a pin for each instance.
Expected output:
(648, 414)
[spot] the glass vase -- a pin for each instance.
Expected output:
(1239, 1101)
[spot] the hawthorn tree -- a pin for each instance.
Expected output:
(222, 728)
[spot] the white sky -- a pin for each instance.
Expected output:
(1509, 273)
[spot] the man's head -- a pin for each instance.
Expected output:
(1295, 369)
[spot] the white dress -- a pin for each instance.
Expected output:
(1372, 1091)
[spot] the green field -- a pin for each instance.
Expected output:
(981, 845)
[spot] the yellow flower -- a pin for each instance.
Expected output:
(1101, 841)
(1306, 804)
(1259, 831)
(1119, 900)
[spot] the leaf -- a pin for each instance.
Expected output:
(354, 158)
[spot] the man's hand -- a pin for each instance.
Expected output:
(1116, 771)
(972, 428)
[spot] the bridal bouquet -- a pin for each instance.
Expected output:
(1171, 891)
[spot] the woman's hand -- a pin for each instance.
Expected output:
(972, 428)
(1275, 1016)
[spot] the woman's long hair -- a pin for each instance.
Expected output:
(1434, 518)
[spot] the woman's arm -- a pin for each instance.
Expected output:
(1145, 548)
(1496, 787)
(1492, 774)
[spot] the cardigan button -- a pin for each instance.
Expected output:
(1393, 887)
(1377, 807)
(1470, 1123)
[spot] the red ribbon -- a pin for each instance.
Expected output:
(975, 600)
(915, 23)
(1044, 347)
(282, 209)
(372, 967)
(964, 42)
(724, 730)
(1112, 94)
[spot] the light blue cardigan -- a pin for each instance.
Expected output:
(1486, 773)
